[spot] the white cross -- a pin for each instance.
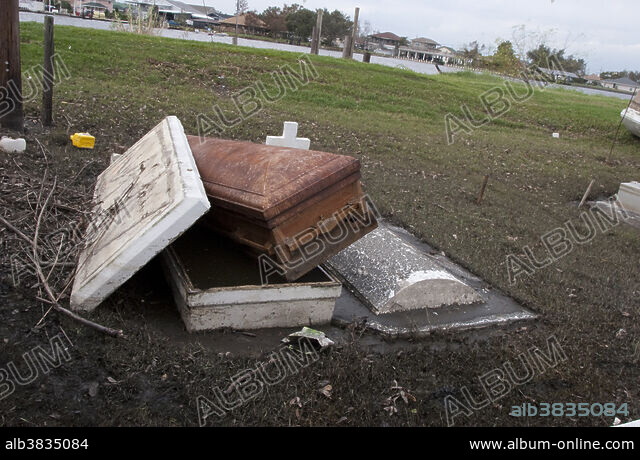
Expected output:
(288, 138)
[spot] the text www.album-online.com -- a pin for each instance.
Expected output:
(574, 444)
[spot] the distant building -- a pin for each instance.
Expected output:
(385, 39)
(593, 79)
(92, 5)
(31, 5)
(246, 23)
(142, 7)
(178, 12)
(425, 44)
(428, 50)
(197, 11)
(621, 84)
(558, 76)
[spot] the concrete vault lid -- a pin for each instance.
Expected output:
(142, 202)
(391, 275)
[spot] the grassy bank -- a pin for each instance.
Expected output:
(394, 122)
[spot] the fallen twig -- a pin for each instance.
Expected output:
(36, 263)
(586, 194)
(484, 186)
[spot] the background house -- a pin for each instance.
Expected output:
(178, 13)
(593, 79)
(423, 43)
(247, 23)
(31, 5)
(384, 43)
(621, 84)
(385, 39)
(558, 76)
(428, 50)
(94, 6)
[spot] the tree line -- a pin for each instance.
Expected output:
(297, 22)
(505, 59)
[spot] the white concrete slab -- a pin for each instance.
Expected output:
(143, 202)
(390, 275)
(629, 196)
(288, 138)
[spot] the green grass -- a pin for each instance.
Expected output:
(393, 121)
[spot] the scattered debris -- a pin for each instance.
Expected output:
(93, 389)
(326, 391)
(318, 338)
(10, 145)
(83, 140)
(399, 393)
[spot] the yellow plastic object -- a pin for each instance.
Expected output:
(83, 140)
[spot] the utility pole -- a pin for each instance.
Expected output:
(11, 110)
(355, 30)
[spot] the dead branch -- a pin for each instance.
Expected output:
(52, 298)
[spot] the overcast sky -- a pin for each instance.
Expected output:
(605, 33)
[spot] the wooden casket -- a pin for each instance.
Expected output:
(299, 207)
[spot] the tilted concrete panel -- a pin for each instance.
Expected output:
(142, 202)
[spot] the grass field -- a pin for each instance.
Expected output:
(393, 120)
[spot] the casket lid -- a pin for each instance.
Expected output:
(143, 202)
(265, 180)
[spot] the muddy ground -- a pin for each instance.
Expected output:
(154, 374)
(120, 85)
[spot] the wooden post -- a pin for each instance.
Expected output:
(317, 34)
(354, 37)
(346, 51)
(11, 110)
(314, 40)
(47, 74)
(234, 40)
(319, 27)
(484, 186)
(586, 194)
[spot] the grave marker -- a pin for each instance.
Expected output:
(288, 138)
